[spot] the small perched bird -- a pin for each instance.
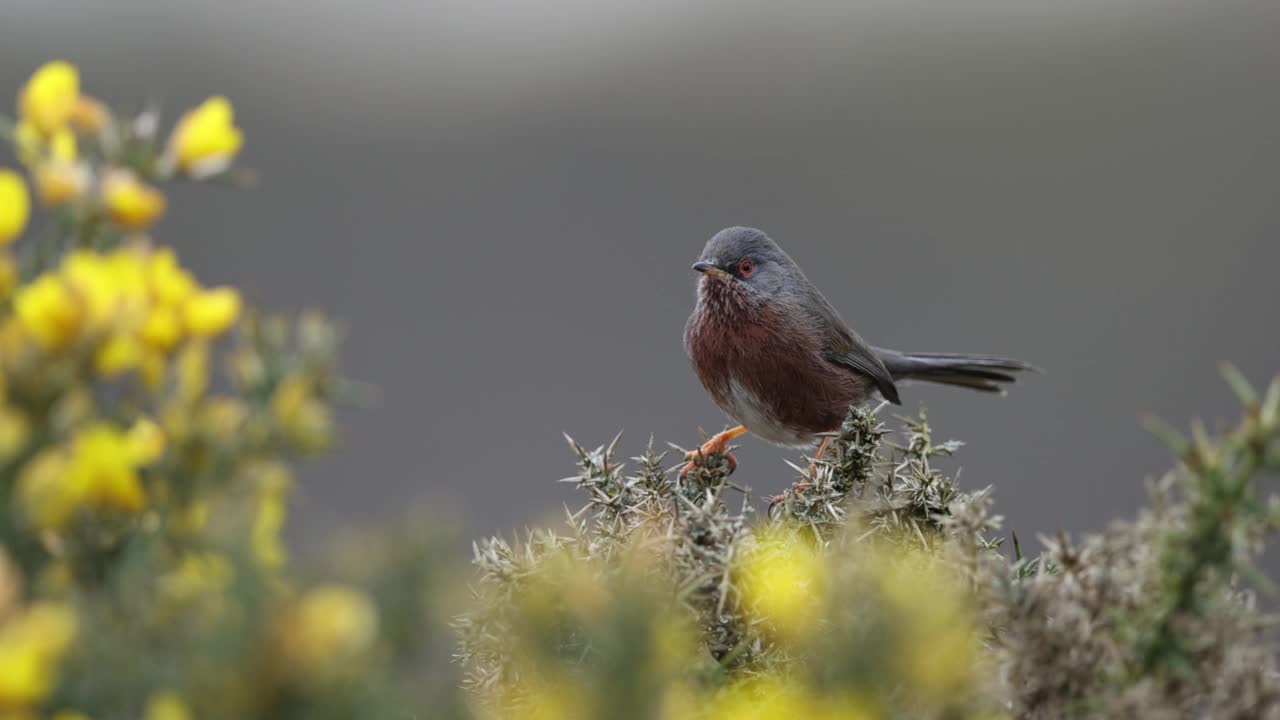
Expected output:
(779, 360)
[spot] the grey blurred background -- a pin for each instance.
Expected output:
(501, 201)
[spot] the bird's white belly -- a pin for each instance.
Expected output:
(754, 414)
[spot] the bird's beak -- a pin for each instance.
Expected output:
(709, 269)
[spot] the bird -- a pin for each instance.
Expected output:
(778, 359)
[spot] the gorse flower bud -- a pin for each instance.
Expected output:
(130, 202)
(206, 140)
(49, 312)
(90, 116)
(15, 206)
(331, 626)
(49, 98)
(209, 313)
(59, 182)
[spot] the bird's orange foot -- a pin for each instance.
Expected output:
(717, 445)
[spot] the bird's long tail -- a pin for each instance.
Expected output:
(978, 372)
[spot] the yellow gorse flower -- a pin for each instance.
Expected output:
(939, 644)
(15, 206)
(133, 307)
(302, 415)
(49, 312)
(32, 644)
(49, 98)
(59, 182)
(209, 313)
(774, 698)
(205, 140)
(104, 466)
(166, 706)
(331, 625)
(273, 485)
(169, 281)
(90, 116)
(129, 201)
(783, 579)
(98, 471)
(59, 176)
(146, 442)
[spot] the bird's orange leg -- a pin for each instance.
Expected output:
(822, 449)
(717, 445)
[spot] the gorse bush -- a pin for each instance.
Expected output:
(876, 588)
(151, 427)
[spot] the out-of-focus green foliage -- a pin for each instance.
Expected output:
(149, 430)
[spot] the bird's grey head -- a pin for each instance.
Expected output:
(746, 258)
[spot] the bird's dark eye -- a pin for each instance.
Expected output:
(746, 267)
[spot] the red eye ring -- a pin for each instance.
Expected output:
(746, 267)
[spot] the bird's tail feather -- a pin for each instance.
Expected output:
(986, 373)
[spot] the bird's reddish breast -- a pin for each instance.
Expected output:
(713, 341)
(762, 356)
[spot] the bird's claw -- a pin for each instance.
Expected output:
(697, 457)
(718, 445)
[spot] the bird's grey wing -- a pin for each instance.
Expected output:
(846, 349)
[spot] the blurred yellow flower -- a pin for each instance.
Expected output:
(48, 312)
(170, 283)
(783, 579)
(49, 98)
(59, 182)
(939, 647)
(162, 329)
(209, 313)
(28, 143)
(103, 465)
(553, 699)
(152, 370)
(146, 442)
(130, 202)
(97, 471)
(90, 115)
(123, 302)
(31, 646)
(112, 287)
(166, 706)
(119, 354)
(205, 140)
(15, 206)
(331, 625)
(193, 370)
(63, 145)
(783, 698)
(59, 177)
(303, 417)
(274, 482)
